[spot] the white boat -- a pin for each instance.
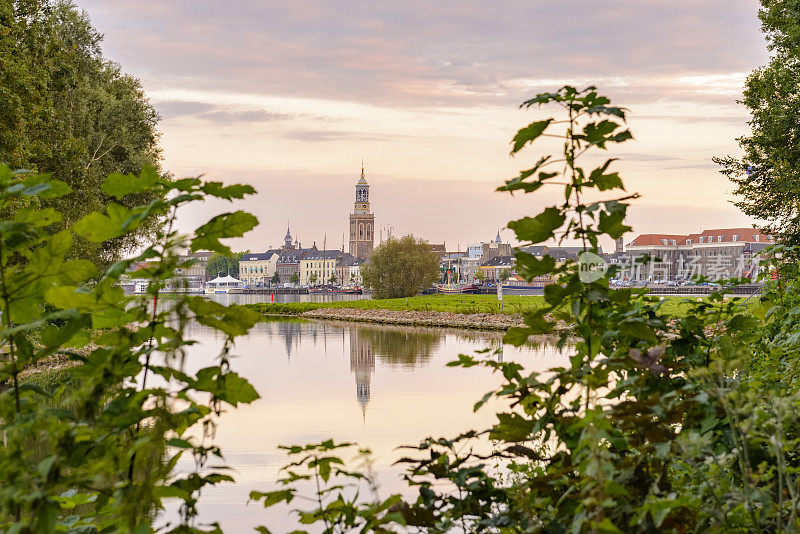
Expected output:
(223, 284)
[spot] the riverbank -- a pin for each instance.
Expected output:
(477, 321)
(455, 311)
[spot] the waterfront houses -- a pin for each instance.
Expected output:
(715, 253)
(493, 269)
(194, 265)
(348, 271)
(319, 266)
(256, 270)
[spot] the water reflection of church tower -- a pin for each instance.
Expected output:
(362, 363)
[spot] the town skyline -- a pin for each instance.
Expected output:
(293, 96)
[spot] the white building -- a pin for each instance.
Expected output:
(475, 251)
(256, 270)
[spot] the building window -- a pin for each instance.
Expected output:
(702, 239)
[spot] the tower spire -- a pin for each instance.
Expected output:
(362, 166)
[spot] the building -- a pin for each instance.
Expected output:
(362, 222)
(716, 253)
(319, 265)
(288, 265)
(492, 269)
(440, 249)
(560, 254)
(348, 271)
(257, 270)
(495, 248)
(475, 251)
(194, 265)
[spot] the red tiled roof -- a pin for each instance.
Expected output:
(747, 235)
(744, 235)
(655, 239)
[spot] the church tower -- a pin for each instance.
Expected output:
(362, 221)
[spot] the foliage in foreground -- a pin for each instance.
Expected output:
(400, 268)
(658, 424)
(99, 453)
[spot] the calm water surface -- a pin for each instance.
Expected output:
(378, 386)
(254, 298)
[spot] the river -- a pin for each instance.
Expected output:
(379, 386)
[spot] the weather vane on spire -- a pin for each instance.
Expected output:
(362, 166)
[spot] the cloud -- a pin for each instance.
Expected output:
(424, 53)
(646, 157)
(431, 89)
(173, 110)
(229, 117)
(217, 114)
(316, 136)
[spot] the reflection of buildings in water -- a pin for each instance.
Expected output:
(403, 347)
(362, 363)
(291, 332)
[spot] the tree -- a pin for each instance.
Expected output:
(767, 177)
(295, 278)
(313, 278)
(332, 279)
(480, 276)
(220, 265)
(68, 111)
(276, 278)
(401, 268)
(505, 274)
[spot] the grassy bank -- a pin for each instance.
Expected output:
(443, 303)
(467, 304)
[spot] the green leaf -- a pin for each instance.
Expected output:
(607, 527)
(230, 192)
(227, 225)
(529, 134)
(612, 224)
(529, 266)
(232, 320)
(228, 387)
(98, 227)
(37, 217)
(539, 228)
(120, 185)
(605, 182)
(598, 133)
(637, 327)
(57, 189)
(511, 427)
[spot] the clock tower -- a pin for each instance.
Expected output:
(362, 221)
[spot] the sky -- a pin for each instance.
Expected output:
(289, 96)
